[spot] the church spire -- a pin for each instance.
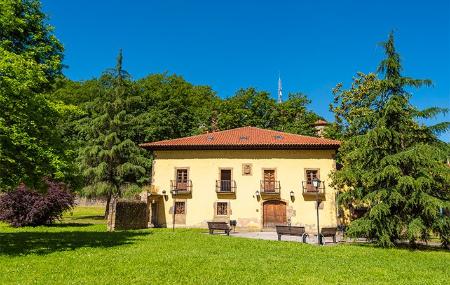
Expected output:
(280, 90)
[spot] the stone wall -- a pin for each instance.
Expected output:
(90, 202)
(127, 215)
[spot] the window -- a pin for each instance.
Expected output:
(222, 209)
(182, 179)
(225, 180)
(269, 180)
(180, 208)
(310, 175)
(182, 175)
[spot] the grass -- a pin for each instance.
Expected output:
(80, 251)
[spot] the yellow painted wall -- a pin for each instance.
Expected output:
(204, 168)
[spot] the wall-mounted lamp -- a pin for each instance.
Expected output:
(164, 192)
(292, 194)
(257, 193)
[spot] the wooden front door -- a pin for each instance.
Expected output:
(274, 213)
(154, 212)
(269, 180)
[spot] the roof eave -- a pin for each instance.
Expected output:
(240, 147)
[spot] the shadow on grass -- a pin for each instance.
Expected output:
(99, 218)
(405, 246)
(67, 225)
(41, 243)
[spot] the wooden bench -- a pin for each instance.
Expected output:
(291, 231)
(327, 232)
(218, 226)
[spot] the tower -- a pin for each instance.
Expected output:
(280, 90)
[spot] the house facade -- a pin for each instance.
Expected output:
(258, 178)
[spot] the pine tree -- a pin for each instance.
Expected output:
(111, 162)
(392, 165)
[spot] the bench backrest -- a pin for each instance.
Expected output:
(328, 231)
(291, 230)
(218, 225)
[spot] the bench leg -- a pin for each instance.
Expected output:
(334, 238)
(228, 232)
(321, 237)
(279, 237)
(210, 232)
(304, 236)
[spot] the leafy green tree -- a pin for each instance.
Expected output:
(23, 31)
(170, 108)
(248, 107)
(111, 162)
(392, 165)
(294, 117)
(30, 61)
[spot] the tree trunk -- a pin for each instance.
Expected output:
(108, 202)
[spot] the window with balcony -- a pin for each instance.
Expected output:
(269, 185)
(181, 184)
(310, 175)
(225, 184)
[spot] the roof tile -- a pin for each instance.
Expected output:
(245, 138)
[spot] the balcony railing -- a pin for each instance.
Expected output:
(270, 187)
(177, 187)
(225, 186)
(309, 189)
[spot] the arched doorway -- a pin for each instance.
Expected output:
(274, 213)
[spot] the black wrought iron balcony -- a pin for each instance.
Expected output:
(180, 187)
(270, 187)
(225, 186)
(309, 189)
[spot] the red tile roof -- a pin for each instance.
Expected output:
(245, 138)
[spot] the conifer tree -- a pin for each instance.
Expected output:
(392, 165)
(111, 162)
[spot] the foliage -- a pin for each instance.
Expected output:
(170, 108)
(30, 60)
(294, 117)
(391, 164)
(26, 207)
(111, 162)
(31, 255)
(249, 107)
(23, 31)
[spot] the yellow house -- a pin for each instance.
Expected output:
(256, 177)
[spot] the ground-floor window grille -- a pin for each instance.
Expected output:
(222, 208)
(180, 208)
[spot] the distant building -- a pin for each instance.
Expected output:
(258, 177)
(320, 125)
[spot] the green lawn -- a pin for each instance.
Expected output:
(80, 251)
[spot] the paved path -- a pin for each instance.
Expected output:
(273, 236)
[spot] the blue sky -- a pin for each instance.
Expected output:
(234, 44)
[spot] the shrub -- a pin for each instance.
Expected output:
(26, 207)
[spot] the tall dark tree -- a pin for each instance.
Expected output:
(111, 162)
(392, 165)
